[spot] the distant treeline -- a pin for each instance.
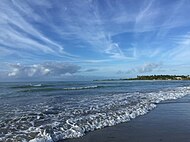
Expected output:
(153, 77)
(160, 77)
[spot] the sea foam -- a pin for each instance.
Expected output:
(109, 111)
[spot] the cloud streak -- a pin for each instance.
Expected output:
(94, 27)
(19, 33)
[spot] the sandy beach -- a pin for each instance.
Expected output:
(168, 122)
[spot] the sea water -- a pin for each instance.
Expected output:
(53, 111)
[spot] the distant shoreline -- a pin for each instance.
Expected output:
(153, 77)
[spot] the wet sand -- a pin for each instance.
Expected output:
(169, 122)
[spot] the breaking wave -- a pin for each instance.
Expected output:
(60, 122)
(43, 88)
(31, 86)
(85, 87)
(37, 85)
(121, 109)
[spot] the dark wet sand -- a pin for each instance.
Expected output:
(169, 122)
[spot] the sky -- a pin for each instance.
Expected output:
(93, 39)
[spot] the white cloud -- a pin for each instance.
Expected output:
(146, 68)
(42, 70)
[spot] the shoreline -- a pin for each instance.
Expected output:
(168, 122)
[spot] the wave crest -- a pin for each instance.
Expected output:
(83, 87)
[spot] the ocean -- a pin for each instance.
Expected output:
(53, 111)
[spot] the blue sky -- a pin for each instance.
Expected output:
(89, 39)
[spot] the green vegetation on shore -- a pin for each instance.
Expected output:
(161, 77)
(153, 77)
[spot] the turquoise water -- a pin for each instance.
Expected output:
(52, 111)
